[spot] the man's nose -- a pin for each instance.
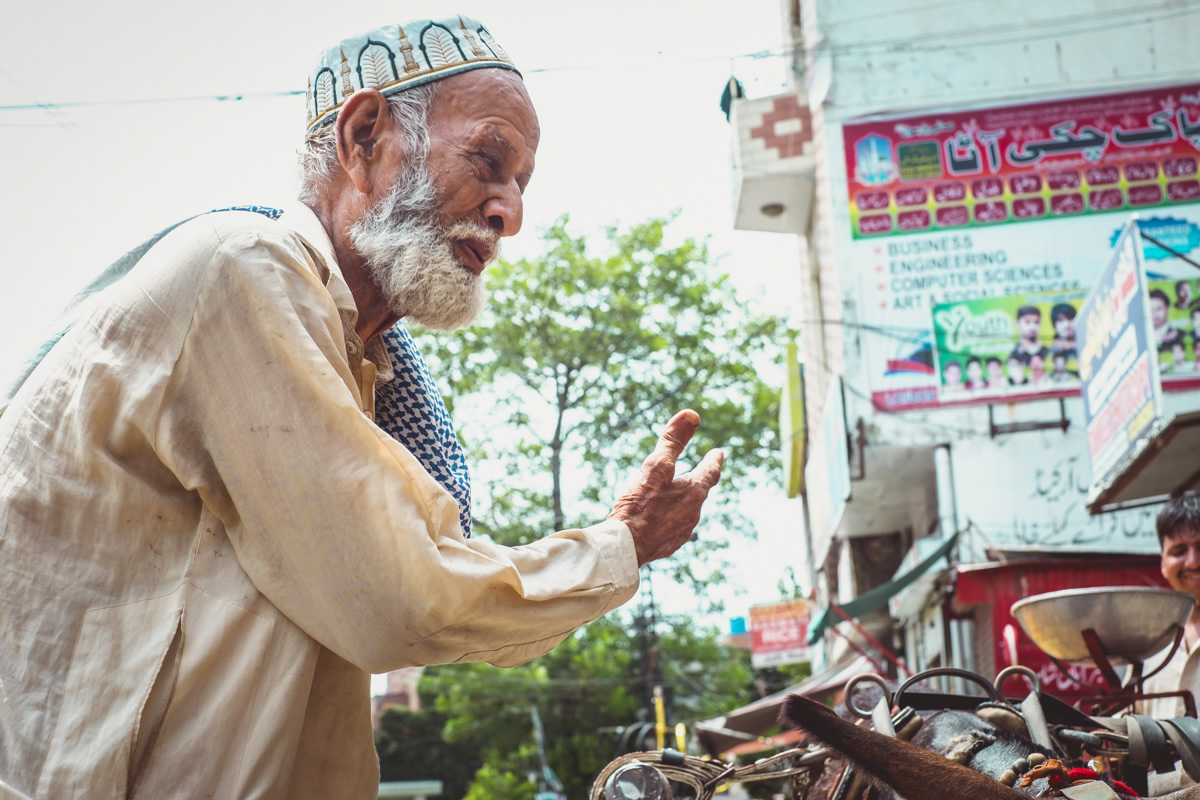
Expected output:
(504, 210)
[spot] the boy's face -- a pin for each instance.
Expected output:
(1027, 326)
(1064, 326)
(1158, 311)
(1180, 560)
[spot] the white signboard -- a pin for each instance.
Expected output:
(904, 277)
(1045, 478)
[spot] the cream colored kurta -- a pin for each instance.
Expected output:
(206, 546)
(1181, 672)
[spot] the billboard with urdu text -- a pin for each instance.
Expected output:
(1024, 200)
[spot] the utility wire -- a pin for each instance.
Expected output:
(930, 42)
(154, 100)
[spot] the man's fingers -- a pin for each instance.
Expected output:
(708, 471)
(678, 433)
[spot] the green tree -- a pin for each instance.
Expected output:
(411, 748)
(582, 357)
(492, 783)
(588, 684)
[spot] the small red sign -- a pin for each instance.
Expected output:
(779, 633)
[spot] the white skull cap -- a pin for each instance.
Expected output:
(399, 57)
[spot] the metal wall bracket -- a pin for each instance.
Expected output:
(996, 429)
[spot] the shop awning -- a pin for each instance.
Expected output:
(750, 722)
(877, 597)
(1164, 465)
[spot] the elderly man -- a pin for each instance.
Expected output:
(229, 492)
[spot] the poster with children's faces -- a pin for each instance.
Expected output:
(1175, 315)
(1011, 346)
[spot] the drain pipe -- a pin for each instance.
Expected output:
(947, 501)
(947, 506)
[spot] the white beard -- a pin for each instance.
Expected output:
(410, 255)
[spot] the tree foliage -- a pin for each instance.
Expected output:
(585, 689)
(582, 358)
(411, 748)
(559, 393)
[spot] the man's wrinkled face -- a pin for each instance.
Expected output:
(428, 242)
(1180, 560)
(410, 254)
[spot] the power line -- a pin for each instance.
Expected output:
(939, 42)
(153, 100)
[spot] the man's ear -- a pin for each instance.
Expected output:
(361, 124)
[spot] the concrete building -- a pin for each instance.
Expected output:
(945, 168)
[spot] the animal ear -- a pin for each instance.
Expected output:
(907, 768)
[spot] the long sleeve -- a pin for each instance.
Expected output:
(333, 521)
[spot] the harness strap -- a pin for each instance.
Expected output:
(1184, 733)
(1154, 741)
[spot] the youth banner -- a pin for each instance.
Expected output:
(1007, 347)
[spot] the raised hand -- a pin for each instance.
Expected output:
(661, 509)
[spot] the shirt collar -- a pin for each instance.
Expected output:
(305, 223)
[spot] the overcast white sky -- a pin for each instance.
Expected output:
(627, 93)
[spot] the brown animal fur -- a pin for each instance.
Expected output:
(912, 771)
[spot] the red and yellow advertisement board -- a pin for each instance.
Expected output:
(968, 169)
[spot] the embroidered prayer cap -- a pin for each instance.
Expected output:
(398, 57)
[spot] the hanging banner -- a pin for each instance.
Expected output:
(947, 207)
(969, 169)
(1119, 358)
(1006, 347)
(793, 426)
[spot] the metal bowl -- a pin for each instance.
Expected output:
(1132, 622)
